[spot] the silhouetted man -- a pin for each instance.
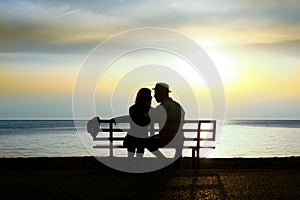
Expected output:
(169, 115)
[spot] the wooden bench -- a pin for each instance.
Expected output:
(195, 132)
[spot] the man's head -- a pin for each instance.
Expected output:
(161, 91)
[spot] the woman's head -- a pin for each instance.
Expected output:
(143, 97)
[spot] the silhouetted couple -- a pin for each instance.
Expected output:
(169, 115)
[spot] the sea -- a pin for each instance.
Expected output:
(65, 138)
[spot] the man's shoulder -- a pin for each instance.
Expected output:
(174, 104)
(168, 101)
(171, 102)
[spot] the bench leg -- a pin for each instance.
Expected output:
(198, 159)
(193, 158)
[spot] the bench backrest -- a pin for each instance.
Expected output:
(194, 131)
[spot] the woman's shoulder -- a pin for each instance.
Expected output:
(139, 109)
(132, 108)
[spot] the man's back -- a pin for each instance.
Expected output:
(170, 116)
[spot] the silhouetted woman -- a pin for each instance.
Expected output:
(135, 140)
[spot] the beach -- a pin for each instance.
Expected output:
(87, 178)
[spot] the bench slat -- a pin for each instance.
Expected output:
(114, 130)
(108, 139)
(188, 121)
(155, 130)
(120, 146)
(122, 138)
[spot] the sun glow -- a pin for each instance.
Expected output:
(225, 65)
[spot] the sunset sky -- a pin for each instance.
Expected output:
(255, 45)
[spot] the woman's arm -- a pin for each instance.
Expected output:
(120, 119)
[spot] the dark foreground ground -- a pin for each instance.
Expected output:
(86, 178)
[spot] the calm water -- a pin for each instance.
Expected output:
(250, 138)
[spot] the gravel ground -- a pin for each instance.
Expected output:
(84, 179)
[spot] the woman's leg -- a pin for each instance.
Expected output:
(153, 145)
(131, 151)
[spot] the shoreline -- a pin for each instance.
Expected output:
(89, 162)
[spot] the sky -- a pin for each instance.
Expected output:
(255, 45)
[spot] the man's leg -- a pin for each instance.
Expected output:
(178, 157)
(153, 145)
(140, 151)
(178, 152)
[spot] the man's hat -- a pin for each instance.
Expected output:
(161, 86)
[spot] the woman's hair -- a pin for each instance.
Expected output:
(143, 96)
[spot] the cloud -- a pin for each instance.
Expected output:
(285, 48)
(27, 26)
(65, 14)
(50, 37)
(76, 26)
